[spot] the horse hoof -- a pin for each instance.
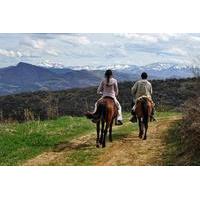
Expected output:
(144, 138)
(97, 145)
(140, 136)
(100, 140)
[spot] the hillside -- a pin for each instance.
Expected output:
(169, 94)
(25, 77)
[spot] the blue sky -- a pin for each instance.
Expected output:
(97, 49)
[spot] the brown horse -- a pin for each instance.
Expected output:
(106, 112)
(143, 112)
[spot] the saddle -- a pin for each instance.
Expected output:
(108, 97)
(146, 98)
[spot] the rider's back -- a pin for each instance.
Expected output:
(108, 89)
(142, 88)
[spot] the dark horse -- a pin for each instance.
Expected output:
(106, 112)
(143, 112)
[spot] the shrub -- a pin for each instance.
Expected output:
(190, 128)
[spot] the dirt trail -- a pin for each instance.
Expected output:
(129, 150)
(134, 151)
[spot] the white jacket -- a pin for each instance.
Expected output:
(110, 89)
(142, 88)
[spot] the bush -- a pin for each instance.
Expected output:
(190, 129)
(167, 95)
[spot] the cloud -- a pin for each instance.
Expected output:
(194, 38)
(148, 38)
(98, 49)
(141, 37)
(177, 51)
(36, 44)
(10, 53)
(75, 39)
(52, 52)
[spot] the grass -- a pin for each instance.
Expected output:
(173, 145)
(87, 155)
(22, 141)
(19, 142)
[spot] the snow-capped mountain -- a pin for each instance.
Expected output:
(48, 64)
(27, 77)
(155, 70)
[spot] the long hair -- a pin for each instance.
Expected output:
(108, 74)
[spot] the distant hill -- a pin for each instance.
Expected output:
(167, 94)
(25, 77)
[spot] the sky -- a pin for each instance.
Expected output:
(96, 49)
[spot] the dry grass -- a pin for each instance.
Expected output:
(190, 130)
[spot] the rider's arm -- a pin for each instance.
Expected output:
(100, 88)
(151, 90)
(116, 89)
(134, 89)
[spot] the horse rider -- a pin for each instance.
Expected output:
(108, 88)
(141, 88)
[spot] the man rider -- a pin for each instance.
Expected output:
(141, 88)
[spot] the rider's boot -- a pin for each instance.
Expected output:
(118, 122)
(133, 119)
(152, 118)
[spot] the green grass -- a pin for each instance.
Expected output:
(161, 115)
(87, 155)
(173, 145)
(19, 142)
(22, 141)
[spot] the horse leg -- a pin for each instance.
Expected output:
(98, 131)
(140, 128)
(110, 131)
(104, 135)
(145, 131)
(102, 130)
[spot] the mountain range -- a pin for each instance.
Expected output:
(25, 77)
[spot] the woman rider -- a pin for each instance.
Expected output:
(108, 88)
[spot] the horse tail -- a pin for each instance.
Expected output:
(101, 111)
(144, 105)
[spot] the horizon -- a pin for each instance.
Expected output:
(102, 67)
(98, 49)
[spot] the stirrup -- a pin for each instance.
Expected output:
(133, 119)
(89, 115)
(118, 123)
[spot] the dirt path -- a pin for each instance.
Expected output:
(133, 151)
(127, 150)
